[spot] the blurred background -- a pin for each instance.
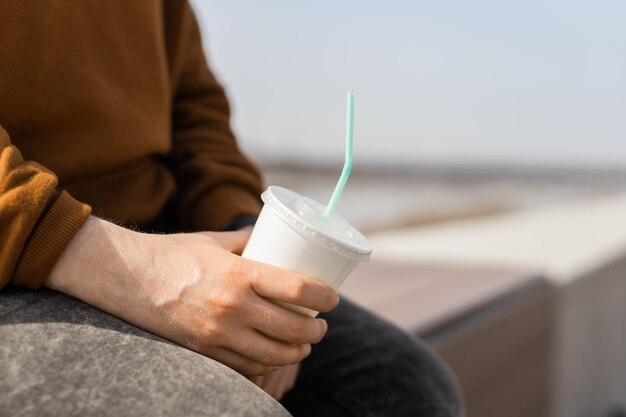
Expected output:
(489, 153)
(529, 83)
(493, 104)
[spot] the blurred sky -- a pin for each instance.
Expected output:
(474, 81)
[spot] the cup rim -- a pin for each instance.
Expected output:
(304, 227)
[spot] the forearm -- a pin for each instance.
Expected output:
(98, 267)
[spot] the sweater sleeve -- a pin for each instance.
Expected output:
(36, 222)
(216, 182)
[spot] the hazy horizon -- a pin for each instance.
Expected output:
(478, 82)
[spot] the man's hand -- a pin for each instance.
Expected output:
(193, 290)
(279, 382)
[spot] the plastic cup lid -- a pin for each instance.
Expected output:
(306, 216)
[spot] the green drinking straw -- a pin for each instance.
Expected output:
(347, 166)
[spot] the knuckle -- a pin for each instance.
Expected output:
(305, 350)
(228, 302)
(212, 332)
(273, 357)
(232, 269)
(270, 369)
(296, 330)
(323, 327)
(255, 369)
(331, 300)
(297, 289)
(246, 275)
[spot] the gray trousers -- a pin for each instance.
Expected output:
(62, 357)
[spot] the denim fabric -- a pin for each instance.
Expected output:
(366, 367)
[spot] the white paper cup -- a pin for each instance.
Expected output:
(292, 233)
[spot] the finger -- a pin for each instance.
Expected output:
(290, 287)
(262, 349)
(291, 377)
(286, 325)
(276, 388)
(273, 385)
(240, 363)
(257, 380)
(238, 240)
(285, 380)
(231, 241)
(269, 381)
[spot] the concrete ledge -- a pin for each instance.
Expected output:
(561, 242)
(428, 299)
(491, 325)
(579, 249)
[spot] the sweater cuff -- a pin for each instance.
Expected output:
(49, 238)
(217, 208)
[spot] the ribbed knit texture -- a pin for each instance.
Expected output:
(50, 237)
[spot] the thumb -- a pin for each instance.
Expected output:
(231, 241)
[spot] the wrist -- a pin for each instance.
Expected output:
(92, 266)
(65, 274)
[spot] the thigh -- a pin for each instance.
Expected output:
(365, 366)
(60, 356)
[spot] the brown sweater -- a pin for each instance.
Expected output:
(111, 102)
